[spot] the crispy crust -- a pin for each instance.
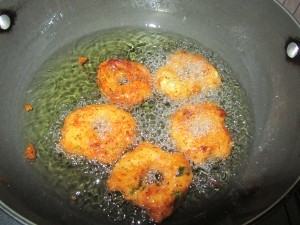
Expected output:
(185, 75)
(132, 177)
(100, 132)
(199, 132)
(124, 82)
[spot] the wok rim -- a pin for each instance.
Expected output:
(280, 201)
(23, 220)
(19, 217)
(14, 215)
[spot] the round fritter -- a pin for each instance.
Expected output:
(199, 132)
(186, 74)
(152, 179)
(100, 132)
(124, 82)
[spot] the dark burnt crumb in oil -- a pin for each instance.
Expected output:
(62, 85)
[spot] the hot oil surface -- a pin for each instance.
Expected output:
(63, 85)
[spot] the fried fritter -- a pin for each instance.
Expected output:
(124, 82)
(100, 132)
(186, 74)
(199, 132)
(152, 179)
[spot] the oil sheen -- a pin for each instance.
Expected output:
(62, 85)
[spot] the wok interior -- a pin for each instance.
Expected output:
(249, 37)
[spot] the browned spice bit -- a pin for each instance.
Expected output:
(83, 60)
(30, 152)
(28, 107)
(73, 198)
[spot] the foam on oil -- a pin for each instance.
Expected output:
(63, 85)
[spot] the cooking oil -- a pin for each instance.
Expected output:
(62, 84)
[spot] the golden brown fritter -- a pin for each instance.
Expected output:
(100, 132)
(186, 74)
(199, 132)
(124, 82)
(152, 179)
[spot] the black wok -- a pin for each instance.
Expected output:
(250, 35)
